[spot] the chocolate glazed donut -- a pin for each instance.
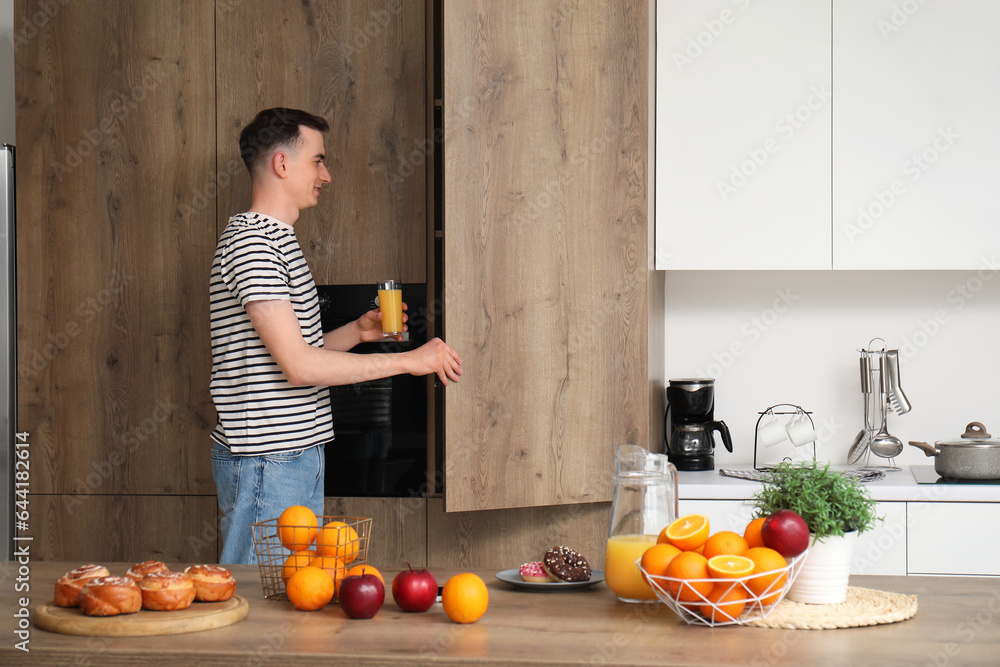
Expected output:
(565, 564)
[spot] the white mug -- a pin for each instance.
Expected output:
(800, 431)
(771, 433)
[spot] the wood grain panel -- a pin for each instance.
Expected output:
(399, 528)
(115, 135)
(126, 528)
(360, 65)
(546, 247)
(501, 539)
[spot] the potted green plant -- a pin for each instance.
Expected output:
(836, 508)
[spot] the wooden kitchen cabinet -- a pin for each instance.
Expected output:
(547, 281)
(361, 66)
(547, 278)
(915, 134)
(115, 141)
(743, 134)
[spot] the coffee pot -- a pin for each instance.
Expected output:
(691, 415)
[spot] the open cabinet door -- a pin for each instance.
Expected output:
(546, 281)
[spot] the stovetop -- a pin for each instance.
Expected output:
(927, 475)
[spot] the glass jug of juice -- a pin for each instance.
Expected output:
(645, 501)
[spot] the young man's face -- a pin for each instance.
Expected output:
(307, 174)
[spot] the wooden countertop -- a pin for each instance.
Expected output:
(958, 623)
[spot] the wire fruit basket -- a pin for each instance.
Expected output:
(272, 554)
(738, 604)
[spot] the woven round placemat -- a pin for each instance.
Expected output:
(863, 606)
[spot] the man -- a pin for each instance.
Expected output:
(271, 361)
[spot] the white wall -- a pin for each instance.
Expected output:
(793, 337)
(7, 72)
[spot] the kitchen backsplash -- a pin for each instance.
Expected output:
(771, 337)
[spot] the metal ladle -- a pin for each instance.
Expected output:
(885, 445)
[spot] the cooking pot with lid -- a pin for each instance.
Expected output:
(975, 455)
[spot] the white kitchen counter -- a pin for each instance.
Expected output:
(895, 486)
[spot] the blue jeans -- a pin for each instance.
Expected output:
(259, 487)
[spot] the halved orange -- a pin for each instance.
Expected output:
(688, 532)
(729, 566)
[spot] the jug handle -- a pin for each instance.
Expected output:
(723, 430)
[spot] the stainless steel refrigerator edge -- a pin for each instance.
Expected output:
(8, 343)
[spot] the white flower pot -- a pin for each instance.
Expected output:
(824, 574)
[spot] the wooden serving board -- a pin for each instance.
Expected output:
(199, 616)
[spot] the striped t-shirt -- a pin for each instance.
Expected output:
(259, 258)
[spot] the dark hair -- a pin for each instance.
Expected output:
(274, 127)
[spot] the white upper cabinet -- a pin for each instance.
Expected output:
(916, 133)
(743, 151)
(790, 136)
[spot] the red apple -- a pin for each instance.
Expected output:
(414, 590)
(786, 532)
(361, 596)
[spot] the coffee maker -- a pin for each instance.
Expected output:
(691, 414)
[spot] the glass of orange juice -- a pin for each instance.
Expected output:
(390, 302)
(645, 502)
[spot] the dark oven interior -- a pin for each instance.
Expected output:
(380, 446)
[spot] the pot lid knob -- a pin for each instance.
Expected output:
(976, 430)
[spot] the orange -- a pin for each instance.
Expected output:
(296, 561)
(656, 559)
(689, 532)
(310, 588)
(725, 542)
(465, 598)
(767, 587)
(339, 540)
(358, 570)
(334, 567)
(689, 566)
(728, 603)
(752, 533)
(728, 566)
(297, 527)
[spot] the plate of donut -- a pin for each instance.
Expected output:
(513, 577)
(561, 569)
